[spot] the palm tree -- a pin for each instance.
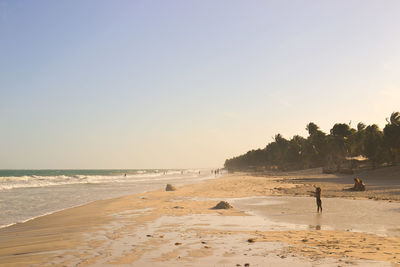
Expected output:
(312, 128)
(357, 140)
(360, 126)
(314, 148)
(338, 142)
(392, 137)
(395, 118)
(373, 144)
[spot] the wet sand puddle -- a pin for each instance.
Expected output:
(200, 240)
(267, 236)
(368, 216)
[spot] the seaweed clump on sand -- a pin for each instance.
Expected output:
(223, 205)
(170, 187)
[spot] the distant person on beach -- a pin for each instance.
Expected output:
(361, 186)
(318, 197)
(358, 185)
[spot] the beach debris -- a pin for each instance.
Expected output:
(178, 244)
(206, 247)
(203, 242)
(304, 240)
(170, 187)
(247, 265)
(178, 207)
(223, 205)
(251, 240)
(149, 235)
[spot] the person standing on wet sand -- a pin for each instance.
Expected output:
(318, 197)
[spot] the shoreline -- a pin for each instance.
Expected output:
(144, 185)
(99, 233)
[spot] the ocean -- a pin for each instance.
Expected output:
(26, 194)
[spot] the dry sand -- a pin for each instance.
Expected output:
(179, 228)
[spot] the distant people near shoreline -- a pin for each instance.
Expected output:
(215, 172)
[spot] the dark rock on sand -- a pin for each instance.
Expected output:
(251, 240)
(170, 188)
(223, 205)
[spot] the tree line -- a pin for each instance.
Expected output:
(336, 151)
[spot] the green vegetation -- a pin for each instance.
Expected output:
(343, 149)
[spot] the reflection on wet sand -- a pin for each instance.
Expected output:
(339, 214)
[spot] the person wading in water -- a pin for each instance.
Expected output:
(318, 197)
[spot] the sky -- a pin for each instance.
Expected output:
(186, 84)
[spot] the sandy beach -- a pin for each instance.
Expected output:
(199, 133)
(273, 222)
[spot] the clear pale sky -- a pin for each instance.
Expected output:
(181, 84)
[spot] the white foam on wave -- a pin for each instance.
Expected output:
(12, 182)
(23, 205)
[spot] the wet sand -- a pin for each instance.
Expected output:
(367, 216)
(266, 227)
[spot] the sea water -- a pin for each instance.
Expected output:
(26, 194)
